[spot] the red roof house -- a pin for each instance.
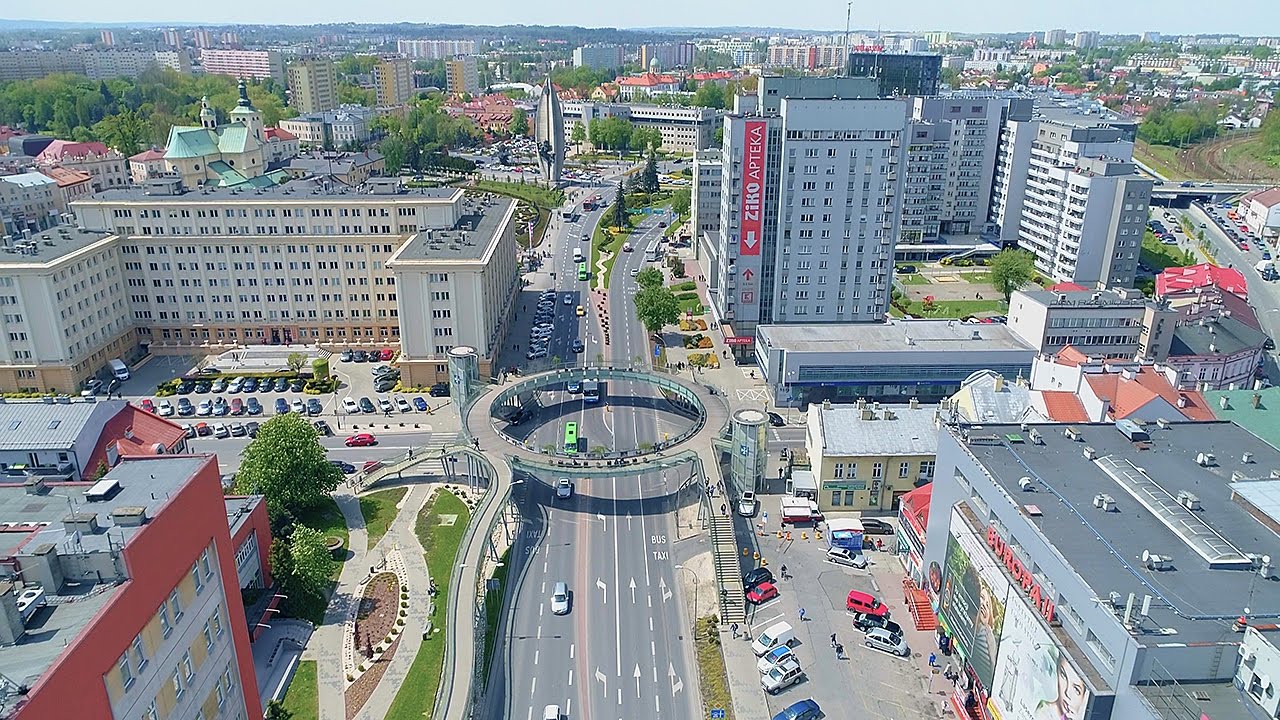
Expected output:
(1180, 280)
(133, 432)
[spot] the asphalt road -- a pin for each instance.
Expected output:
(623, 650)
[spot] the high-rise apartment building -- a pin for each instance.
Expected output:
(107, 37)
(435, 49)
(812, 176)
(393, 81)
(667, 55)
(1064, 188)
(704, 200)
(1055, 37)
(202, 38)
(243, 64)
(463, 75)
(123, 599)
(806, 57)
(1085, 39)
(313, 85)
(171, 37)
(899, 74)
(598, 56)
(974, 136)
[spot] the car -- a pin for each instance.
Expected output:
(568, 299)
(1268, 344)
(252, 406)
(775, 419)
(366, 405)
(322, 428)
(1186, 183)
(202, 429)
(148, 405)
(403, 405)
(235, 385)
(203, 387)
(219, 386)
(386, 384)
(346, 467)
(885, 641)
(185, 407)
(205, 409)
(581, 311)
(748, 505)
(574, 386)
(860, 602)
(662, 223)
(189, 431)
(380, 370)
(184, 388)
(866, 623)
(782, 677)
(564, 488)
(297, 385)
(388, 353)
(252, 429)
(845, 556)
(805, 709)
(762, 593)
(361, 440)
(237, 406)
(577, 345)
(420, 403)
(370, 465)
(1266, 254)
(266, 385)
(237, 429)
(250, 384)
(535, 354)
(349, 405)
(873, 526)
(560, 598)
(551, 712)
(635, 271)
(385, 406)
(1169, 240)
(282, 385)
(282, 406)
(220, 406)
(1244, 246)
(359, 356)
(164, 408)
(905, 269)
(440, 390)
(755, 577)
(314, 407)
(298, 407)
(346, 355)
(775, 657)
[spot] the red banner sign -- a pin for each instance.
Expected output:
(739, 340)
(1022, 576)
(755, 137)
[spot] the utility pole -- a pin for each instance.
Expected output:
(848, 16)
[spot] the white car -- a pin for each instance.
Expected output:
(781, 677)
(776, 657)
(164, 408)
(205, 409)
(564, 489)
(635, 272)
(568, 299)
(298, 407)
(748, 505)
(220, 430)
(350, 405)
(403, 405)
(560, 599)
(845, 556)
(384, 405)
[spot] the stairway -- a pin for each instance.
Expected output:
(724, 553)
(921, 610)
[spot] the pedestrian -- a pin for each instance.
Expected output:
(833, 640)
(734, 628)
(724, 509)
(801, 614)
(783, 569)
(933, 660)
(839, 651)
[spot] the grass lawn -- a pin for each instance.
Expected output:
(302, 699)
(327, 518)
(1160, 256)
(417, 695)
(493, 611)
(913, 279)
(956, 308)
(536, 194)
(674, 227)
(602, 241)
(379, 509)
(1161, 158)
(712, 678)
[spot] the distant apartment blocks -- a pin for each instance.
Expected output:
(313, 85)
(393, 81)
(599, 57)
(435, 49)
(95, 64)
(244, 64)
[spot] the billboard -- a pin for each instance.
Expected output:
(1036, 679)
(755, 139)
(973, 599)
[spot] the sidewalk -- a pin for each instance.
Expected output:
(744, 679)
(326, 642)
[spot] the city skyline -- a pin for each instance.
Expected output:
(1177, 17)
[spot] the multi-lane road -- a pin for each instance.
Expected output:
(623, 650)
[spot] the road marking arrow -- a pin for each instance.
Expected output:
(628, 521)
(633, 591)
(676, 683)
(603, 524)
(666, 594)
(637, 676)
(604, 588)
(600, 676)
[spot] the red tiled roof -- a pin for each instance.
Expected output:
(648, 80)
(59, 149)
(1197, 407)
(1127, 397)
(279, 134)
(1071, 356)
(66, 177)
(1267, 198)
(151, 155)
(915, 507)
(146, 432)
(1063, 406)
(1183, 279)
(1067, 287)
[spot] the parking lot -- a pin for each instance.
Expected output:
(866, 683)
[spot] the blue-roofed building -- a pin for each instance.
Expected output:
(222, 155)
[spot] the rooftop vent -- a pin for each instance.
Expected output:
(1188, 500)
(1072, 434)
(1026, 484)
(129, 516)
(1090, 453)
(1206, 459)
(1156, 562)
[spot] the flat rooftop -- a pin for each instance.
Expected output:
(885, 431)
(480, 222)
(34, 520)
(36, 425)
(306, 190)
(914, 336)
(49, 245)
(1209, 578)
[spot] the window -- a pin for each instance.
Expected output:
(835, 497)
(926, 468)
(904, 469)
(139, 653)
(151, 713)
(164, 620)
(205, 567)
(187, 668)
(208, 637)
(877, 471)
(176, 679)
(197, 579)
(126, 670)
(839, 470)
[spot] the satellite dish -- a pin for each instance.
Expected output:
(1145, 555)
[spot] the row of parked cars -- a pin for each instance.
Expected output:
(239, 385)
(383, 355)
(220, 407)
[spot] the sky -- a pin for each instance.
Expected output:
(1107, 16)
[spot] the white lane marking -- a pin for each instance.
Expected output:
(568, 707)
(541, 609)
(536, 653)
(767, 604)
(768, 622)
(530, 713)
(603, 680)
(653, 650)
(540, 631)
(571, 648)
(657, 709)
(637, 677)
(570, 677)
(650, 623)
(534, 685)
(617, 607)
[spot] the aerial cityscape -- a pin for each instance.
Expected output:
(549, 363)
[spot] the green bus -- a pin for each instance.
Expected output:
(571, 438)
(582, 271)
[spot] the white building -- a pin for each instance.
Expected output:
(1085, 39)
(257, 64)
(1260, 211)
(28, 201)
(336, 128)
(1104, 324)
(598, 56)
(683, 129)
(704, 201)
(435, 49)
(1055, 37)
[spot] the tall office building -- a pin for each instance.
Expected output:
(1085, 39)
(463, 75)
(1064, 188)
(899, 74)
(313, 85)
(964, 184)
(811, 180)
(393, 81)
(598, 56)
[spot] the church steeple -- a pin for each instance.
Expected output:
(246, 114)
(208, 119)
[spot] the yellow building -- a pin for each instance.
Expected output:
(313, 85)
(393, 81)
(867, 456)
(462, 75)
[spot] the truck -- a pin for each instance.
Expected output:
(799, 510)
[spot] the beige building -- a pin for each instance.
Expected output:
(72, 185)
(313, 85)
(866, 456)
(243, 64)
(393, 81)
(462, 75)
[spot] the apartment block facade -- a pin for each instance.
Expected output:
(462, 74)
(598, 56)
(972, 140)
(243, 64)
(435, 49)
(313, 85)
(393, 81)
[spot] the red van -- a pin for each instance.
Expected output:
(862, 602)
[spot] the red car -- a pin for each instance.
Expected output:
(361, 440)
(148, 405)
(237, 406)
(387, 353)
(371, 465)
(762, 593)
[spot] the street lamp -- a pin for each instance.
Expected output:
(694, 575)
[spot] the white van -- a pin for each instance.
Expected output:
(777, 634)
(119, 370)
(577, 255)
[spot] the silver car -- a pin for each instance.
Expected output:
(560, 599)
(845, 556)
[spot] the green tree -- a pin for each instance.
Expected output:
(276, 711)
(649, 277)
(680, 201)
(395, 154)
(287, 465)
(1011, 270)
(126, 131)
(649, 178)
(656, 307)
(519, 125)
(718, 136)
(578, 135)
(312, 564)
(320, 368)
(709, 94)
(101, 471)
(619, 210)
(350, 93)
(296, 360)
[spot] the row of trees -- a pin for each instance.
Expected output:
(426, 129)
(125, 113)
(619, 135)
(1190, 123)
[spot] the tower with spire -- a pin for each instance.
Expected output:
(246, 114)
(208, 119)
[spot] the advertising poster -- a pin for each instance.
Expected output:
(1034, 679)
(755, 139)
(973, 598)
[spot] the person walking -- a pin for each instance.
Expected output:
(839, 651)
(734, 628)
(833, 640)
(801, 614)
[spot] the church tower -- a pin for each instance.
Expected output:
(208, 119)
(246, 114)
